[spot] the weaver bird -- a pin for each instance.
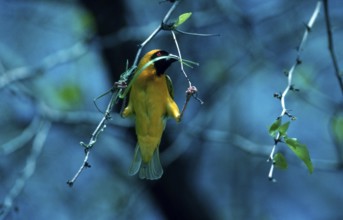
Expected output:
(151, 101)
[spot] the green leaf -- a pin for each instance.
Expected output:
(280, 161)
(337, 128)
(277, 127)
(283, 129)
(273, 129)
(182, 18)
(301, 151)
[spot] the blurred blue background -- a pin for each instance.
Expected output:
(57, 56)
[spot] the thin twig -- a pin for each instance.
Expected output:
(298, 60)
(271, 159)
(180, 56)
(141, 46)
(156, 31)
(196, 34)
(188, 96)
(29, 169)
(289, 87)
(192, 90)
(101, 126)
(171, 10)
(85, 164)
(331, 45)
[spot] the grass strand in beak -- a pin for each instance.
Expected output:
(188, 63)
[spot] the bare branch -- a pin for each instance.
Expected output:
(171, 10)
(192, 90)
(197, 34)
(29, 169)
(84, 165)
(77, 117)
(19, 141)
(331, 45)
(156, 31)
(180, 56)
(297, 60)
(62, 56)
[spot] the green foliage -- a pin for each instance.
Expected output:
(283, 129)
(277, 127)
(273, 129)
(337, 128)
(280, 161)
(279, 131)
(301, 151)
(182, 18)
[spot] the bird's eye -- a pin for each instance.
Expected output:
(158, 54)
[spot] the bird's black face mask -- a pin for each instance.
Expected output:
(162, 65)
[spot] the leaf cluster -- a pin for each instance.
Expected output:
(278, 130)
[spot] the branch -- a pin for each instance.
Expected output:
(84, 165)
(20, 141)
(29, 169)
(290, 84)
(298, 60)
(197, 34)
(157, 30)
(331, 45)
(192, 90)
(180, 56)
(77, 117)
(60, 57)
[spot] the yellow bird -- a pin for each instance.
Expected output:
(151, 101)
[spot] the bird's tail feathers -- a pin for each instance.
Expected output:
(136, 162)
(152, 170)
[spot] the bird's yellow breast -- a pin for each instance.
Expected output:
(149, 98)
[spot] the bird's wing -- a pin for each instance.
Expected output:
(170, 86)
